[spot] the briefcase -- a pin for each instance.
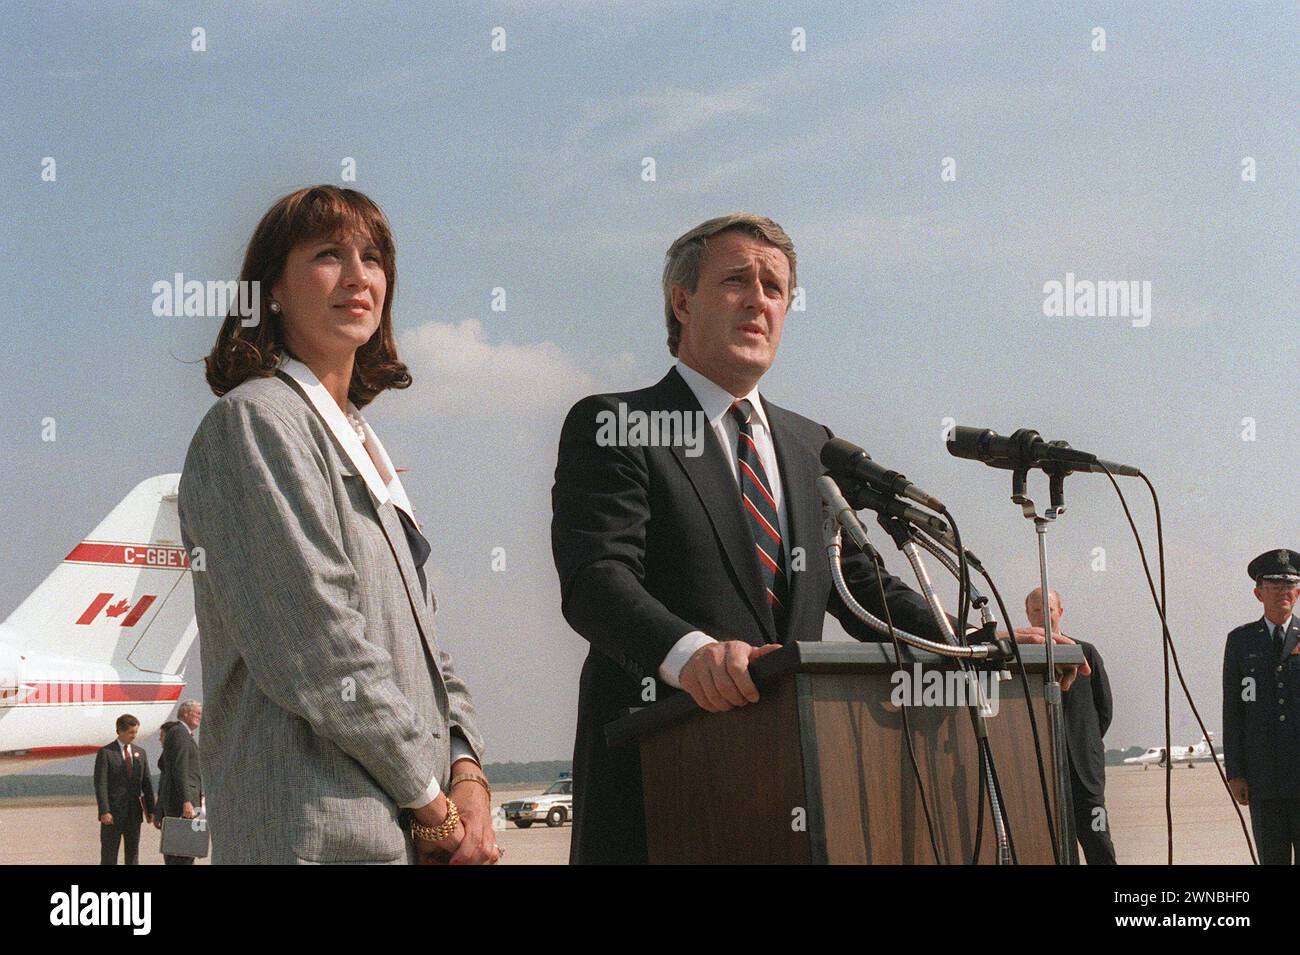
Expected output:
(185, 837)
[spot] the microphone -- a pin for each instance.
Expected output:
(1027, 449)
(844, 515)
(861, 496)
(846, 460)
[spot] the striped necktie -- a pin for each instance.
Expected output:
(760, 508)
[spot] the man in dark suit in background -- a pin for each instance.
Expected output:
(162, 767)
(181, 792)
(1087, 708)
(1261, 710)
(123, 793)
(685, 555)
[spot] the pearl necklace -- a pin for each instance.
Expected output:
(357, 427)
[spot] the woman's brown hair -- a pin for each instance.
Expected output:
(244, 352)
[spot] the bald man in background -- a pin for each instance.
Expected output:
(1086, 706)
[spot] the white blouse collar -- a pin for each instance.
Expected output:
(342, 429)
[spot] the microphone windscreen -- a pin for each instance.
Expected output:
(838, 453)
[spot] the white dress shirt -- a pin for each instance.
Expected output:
(716, 402)
(382, 490)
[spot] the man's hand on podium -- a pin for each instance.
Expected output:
(717, 674)
(1038, 635)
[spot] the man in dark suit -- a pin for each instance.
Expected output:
(686, 523)
(181, 791)
(1261, 710)
(123, 793)
(1087, 709)
(162, 768)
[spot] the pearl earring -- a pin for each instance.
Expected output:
(275, 307)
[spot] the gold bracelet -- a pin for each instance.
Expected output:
(473, 778)
(442, 830)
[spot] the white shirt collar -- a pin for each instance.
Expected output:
(342, 429)
(716, 400)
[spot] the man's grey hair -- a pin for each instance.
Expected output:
(186, 708)
(686, 255)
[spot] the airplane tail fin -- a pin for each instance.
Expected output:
(122, 597)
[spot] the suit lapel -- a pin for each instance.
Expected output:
(1289, 642)
(799, 473)
(391, 525)
(720, 496)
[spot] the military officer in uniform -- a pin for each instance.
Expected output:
(1261, 709)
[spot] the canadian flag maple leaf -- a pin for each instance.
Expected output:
(117, 609)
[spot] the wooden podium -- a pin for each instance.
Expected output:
(818, 772)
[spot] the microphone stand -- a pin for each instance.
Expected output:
(1067, 850)
(994, 650)
(906, 538)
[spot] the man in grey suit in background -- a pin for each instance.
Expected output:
(180, 790)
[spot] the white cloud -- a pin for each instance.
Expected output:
(458, 371)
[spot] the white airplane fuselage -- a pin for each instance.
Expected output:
(104, 635)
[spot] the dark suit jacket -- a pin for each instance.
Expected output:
(651, 544)
(182, 782)
(1261, 711)
(1087, 708)
(129, 800)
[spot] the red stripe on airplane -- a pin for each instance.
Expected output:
(130, 555)
(138, 610)
(51, 752)
(93, 610)
(47, 692)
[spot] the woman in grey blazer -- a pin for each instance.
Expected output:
(335, 729)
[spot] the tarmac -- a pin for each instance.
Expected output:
(1206, 830)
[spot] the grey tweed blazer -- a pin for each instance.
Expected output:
(327, 703)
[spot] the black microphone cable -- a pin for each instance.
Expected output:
(1171, 651)
(1033, 721)
(997, 801)
(985, 747)
(907, 726)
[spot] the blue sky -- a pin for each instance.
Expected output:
(521, 169)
